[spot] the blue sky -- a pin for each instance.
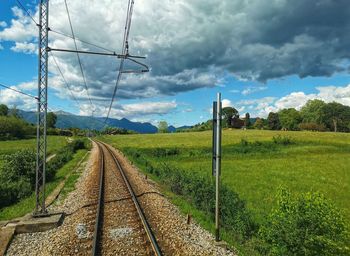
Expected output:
(194, 50)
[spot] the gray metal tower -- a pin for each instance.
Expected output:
(40, 208)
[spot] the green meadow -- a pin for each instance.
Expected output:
(54, 143)
(10, 146)
(256, 165)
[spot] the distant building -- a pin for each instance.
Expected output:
(237, 122)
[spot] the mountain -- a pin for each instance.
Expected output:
(171, 128)
(68, 120)
(184, 127)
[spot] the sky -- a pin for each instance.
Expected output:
(262, 55)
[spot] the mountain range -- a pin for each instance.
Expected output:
(69, 120)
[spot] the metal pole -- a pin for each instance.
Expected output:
(40, 208)
(217, 167)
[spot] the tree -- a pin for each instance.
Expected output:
(51, 119)
(4, 110)
(14, 112)
(247, 120)
(290, 119)
(336, 116)
(228, 113)
(163, 127)
(311, 112)
(259, 123)
(273, 121)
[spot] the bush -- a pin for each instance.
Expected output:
(282, 140)
(200, 191)
(307, 225)
(17, 176)
(246, 147)
(312, 127)
(14, 128)
(20, 164)
(76, 145)
(62, 157)
(165, 152)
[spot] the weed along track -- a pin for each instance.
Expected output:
(121, 227)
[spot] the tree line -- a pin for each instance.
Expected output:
(315, 115)
(13, 126)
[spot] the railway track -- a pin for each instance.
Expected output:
(121, 227)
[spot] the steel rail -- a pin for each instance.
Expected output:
(95, 245)
(150, 235)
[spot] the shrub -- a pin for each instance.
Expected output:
(306, 225)
(12, 128)
(282, 140)
(312, 127)
(17, 176)
(201, 192)
(165, 152)
(76, 145)
(20, 164)
(246, 147)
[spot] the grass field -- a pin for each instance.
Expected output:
(312, 162)
(10, 146)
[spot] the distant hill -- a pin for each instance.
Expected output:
(183, 127)
(68, 120)
(171, 129)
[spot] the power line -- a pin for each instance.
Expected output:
(26, 94)
(58, 32)
(26, 10)
(125, 50)
(76, 48)
(63, 78)
(83, 41)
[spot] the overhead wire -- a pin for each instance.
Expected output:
(18, 91)
(19, 3)
(80, 40)
(125, 50)
(78, 56)
(64, 79)
(26, 10)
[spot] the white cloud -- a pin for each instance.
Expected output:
(188, 110)
(3, 24)
(253, 89)
(262, 107)
(226, 103)
(28, 48)
(21, 29)
(11, 98)
(235, 91)
(28, 85)
(294, 100)
(139, 111)
(180, 39)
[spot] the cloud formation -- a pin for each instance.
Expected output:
(191, 44)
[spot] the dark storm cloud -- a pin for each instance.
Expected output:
(191, 44)
(256, 40)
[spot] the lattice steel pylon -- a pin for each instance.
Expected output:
(40, 208)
